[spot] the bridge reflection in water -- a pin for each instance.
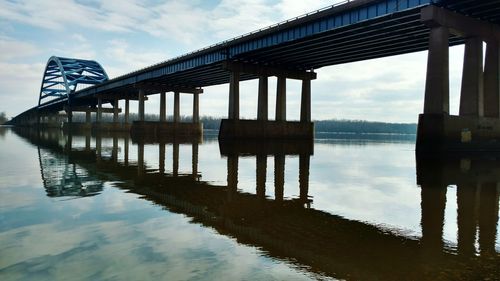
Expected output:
(289, 228)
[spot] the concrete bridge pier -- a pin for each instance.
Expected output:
(100, 124)
(163, 129)
(235, 128)
(478, 124)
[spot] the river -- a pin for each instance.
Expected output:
(343, 207)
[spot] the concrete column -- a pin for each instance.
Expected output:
(262, 103)
(162, 158)
(175, 159)
(281, 99)
(141, 105)
(305, 101)
(163, 107)
(177, 102)
(87, 141)
(471, 97)
(279, 177)
(115, 110)
(127, 111)
(492, 80)
(437, 85)
(69, 113)
(194, 159)
(99, 110)
(234, 96)
(69, 143)
(88, 117)
(261, 175)
(196, 108)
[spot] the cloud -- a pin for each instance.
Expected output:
(11, 49)
(20, 85)
(125, 60)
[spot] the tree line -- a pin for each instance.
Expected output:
(333, 125)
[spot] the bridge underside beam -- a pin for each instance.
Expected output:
(459, 24)
(155, 87)
(259, 70)
(92, 109)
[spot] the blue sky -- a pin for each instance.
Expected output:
(130, 34)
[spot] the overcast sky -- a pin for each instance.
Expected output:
(126, 35)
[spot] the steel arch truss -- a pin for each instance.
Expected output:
(63, 75)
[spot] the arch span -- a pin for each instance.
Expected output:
(62, 76)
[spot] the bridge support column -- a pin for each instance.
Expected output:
(177, 102)
(437, 90)
(492, 80)
(163, 107)
(69, 113)
(471, 96)
(262, 128)
(196, 108)
(99, 110)
(127, 103)
(234, 96)
(262, 103)
(88, 118)
(141, 106)
(305, 102)
(281, 99)
(478, 122)
(115, 110)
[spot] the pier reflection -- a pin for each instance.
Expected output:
(477, 180)
(288, 228)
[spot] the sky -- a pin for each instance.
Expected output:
(127, 35)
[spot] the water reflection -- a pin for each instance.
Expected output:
(288, 228)
(478, 192)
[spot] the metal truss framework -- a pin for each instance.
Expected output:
(63, 75)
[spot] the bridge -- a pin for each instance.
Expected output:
(348, 32)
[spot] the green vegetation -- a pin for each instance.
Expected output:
(338, 126)
(360, 126)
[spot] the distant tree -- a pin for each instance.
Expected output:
(3, 118)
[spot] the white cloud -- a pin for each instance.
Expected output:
(20, 85)
(125, 60)
(11, 49)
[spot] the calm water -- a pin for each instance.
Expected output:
(81, 207)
